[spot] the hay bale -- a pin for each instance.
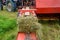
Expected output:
(28, 24)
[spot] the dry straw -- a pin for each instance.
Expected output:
(28, 24)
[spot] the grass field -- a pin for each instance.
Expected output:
(9, 30)
(8, 27)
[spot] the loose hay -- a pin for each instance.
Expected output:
(28, 24)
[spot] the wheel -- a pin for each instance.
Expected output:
(9, 7)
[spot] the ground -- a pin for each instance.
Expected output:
(9, 30)
(8, 26)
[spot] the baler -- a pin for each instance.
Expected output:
(44, 9)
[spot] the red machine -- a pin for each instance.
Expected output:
(48, 9)
(47, 6)
(23, 35)
(44, 6)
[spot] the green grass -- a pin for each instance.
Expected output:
(8, 27)
(50, 30)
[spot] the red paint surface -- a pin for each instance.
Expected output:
(30, 10)
(33, 36)
(22, 36)
(47, 6)
(48, 10)
(47, 3)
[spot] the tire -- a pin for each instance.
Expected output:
(11, 6)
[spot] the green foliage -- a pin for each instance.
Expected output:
(12, 37)
(50, 30)
(8, 26)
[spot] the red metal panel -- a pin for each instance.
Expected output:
(48, 10)
(22, 36)
(47, 6)
(47, 3)
(33, 36)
